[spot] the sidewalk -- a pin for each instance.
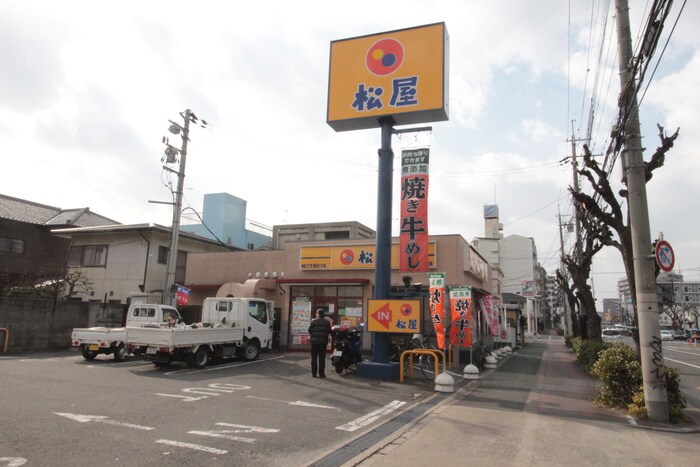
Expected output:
(534, 409)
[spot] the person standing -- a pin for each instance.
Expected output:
(319, 330)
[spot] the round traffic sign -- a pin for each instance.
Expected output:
(664, 256)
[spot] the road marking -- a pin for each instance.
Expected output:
(300, 403)
(219, 367)
(196, 447)
(211, 390)
(102, 419)
(13, 461)
(681, 351)
(229, 434)
(371, 417)
(682, 363)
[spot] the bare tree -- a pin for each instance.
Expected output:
(604, 208)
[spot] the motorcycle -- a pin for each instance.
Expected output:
(347, 349)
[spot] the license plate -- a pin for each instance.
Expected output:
(93, 347)
(151, 350)
(337, 353)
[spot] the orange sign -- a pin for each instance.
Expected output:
(351, 257)
(393, 316)
(402, 74)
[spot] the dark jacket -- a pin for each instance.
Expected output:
(319, 330)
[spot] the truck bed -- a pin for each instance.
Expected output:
(169, 337)
(98, 334)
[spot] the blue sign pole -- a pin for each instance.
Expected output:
(382, 272)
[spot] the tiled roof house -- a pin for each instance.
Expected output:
(28, 250)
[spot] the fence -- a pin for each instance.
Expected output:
(34, 324)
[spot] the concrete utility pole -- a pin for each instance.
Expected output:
(177, 208)
(562, 295)
(655, 394)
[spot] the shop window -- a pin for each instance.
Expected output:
(302, 291)
(327, 291)
(350, 291)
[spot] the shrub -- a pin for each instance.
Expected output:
(676, 401)
(567, 341)
(588, 353)
(621, 374)
(576, 344)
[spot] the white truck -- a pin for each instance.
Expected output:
(230, 327)
(101, 340)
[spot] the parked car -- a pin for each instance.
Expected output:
(679, 335)
(666, 335)
(611, 335)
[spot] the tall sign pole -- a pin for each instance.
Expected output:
(385, 80)
(177, 208)
(655, 394)
(382, 271)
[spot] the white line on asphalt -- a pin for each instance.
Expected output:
(682, 363)
(681, 351)
(219, 367)
(221, 434)
(102, 419)
(370, 417)
(301, 403)
(196, 447)
(13, 461)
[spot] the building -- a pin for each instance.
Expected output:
(334, 274)
(120, 260)
(611, 311)
(29, 253)
(680, 300)
(515, 259)
(224, 219)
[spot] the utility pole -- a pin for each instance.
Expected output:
(655, 394)
(562, 298)
(183, 131)
(574, 166)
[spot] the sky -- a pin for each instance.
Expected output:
(87, 90)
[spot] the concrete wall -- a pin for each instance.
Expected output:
(38, 325)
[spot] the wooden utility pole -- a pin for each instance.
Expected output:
(655, 394)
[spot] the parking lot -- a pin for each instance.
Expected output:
(60, 409)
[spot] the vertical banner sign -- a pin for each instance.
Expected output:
(461, 304)
(182, 295)
(437, 306)
(414, 211)
(490, 312)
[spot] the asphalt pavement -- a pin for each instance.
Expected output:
(535, 408)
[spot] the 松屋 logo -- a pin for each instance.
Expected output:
(384, 57)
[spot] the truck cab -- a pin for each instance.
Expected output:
(255, 315)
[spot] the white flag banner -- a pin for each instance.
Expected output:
(490, 313)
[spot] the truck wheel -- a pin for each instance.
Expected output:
(201, 357)
(120, 353)
(251, 350)
(89, 354)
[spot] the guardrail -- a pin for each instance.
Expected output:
(5, 339)
(410, 353)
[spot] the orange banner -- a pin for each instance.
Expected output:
(437, 306)
(461, 304)
(414, 211)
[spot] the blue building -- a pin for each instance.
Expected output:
(224, 219)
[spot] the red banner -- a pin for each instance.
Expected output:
(437, 306)
(461, 304)
(414, 211)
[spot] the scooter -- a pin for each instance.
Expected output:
(347, 349)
